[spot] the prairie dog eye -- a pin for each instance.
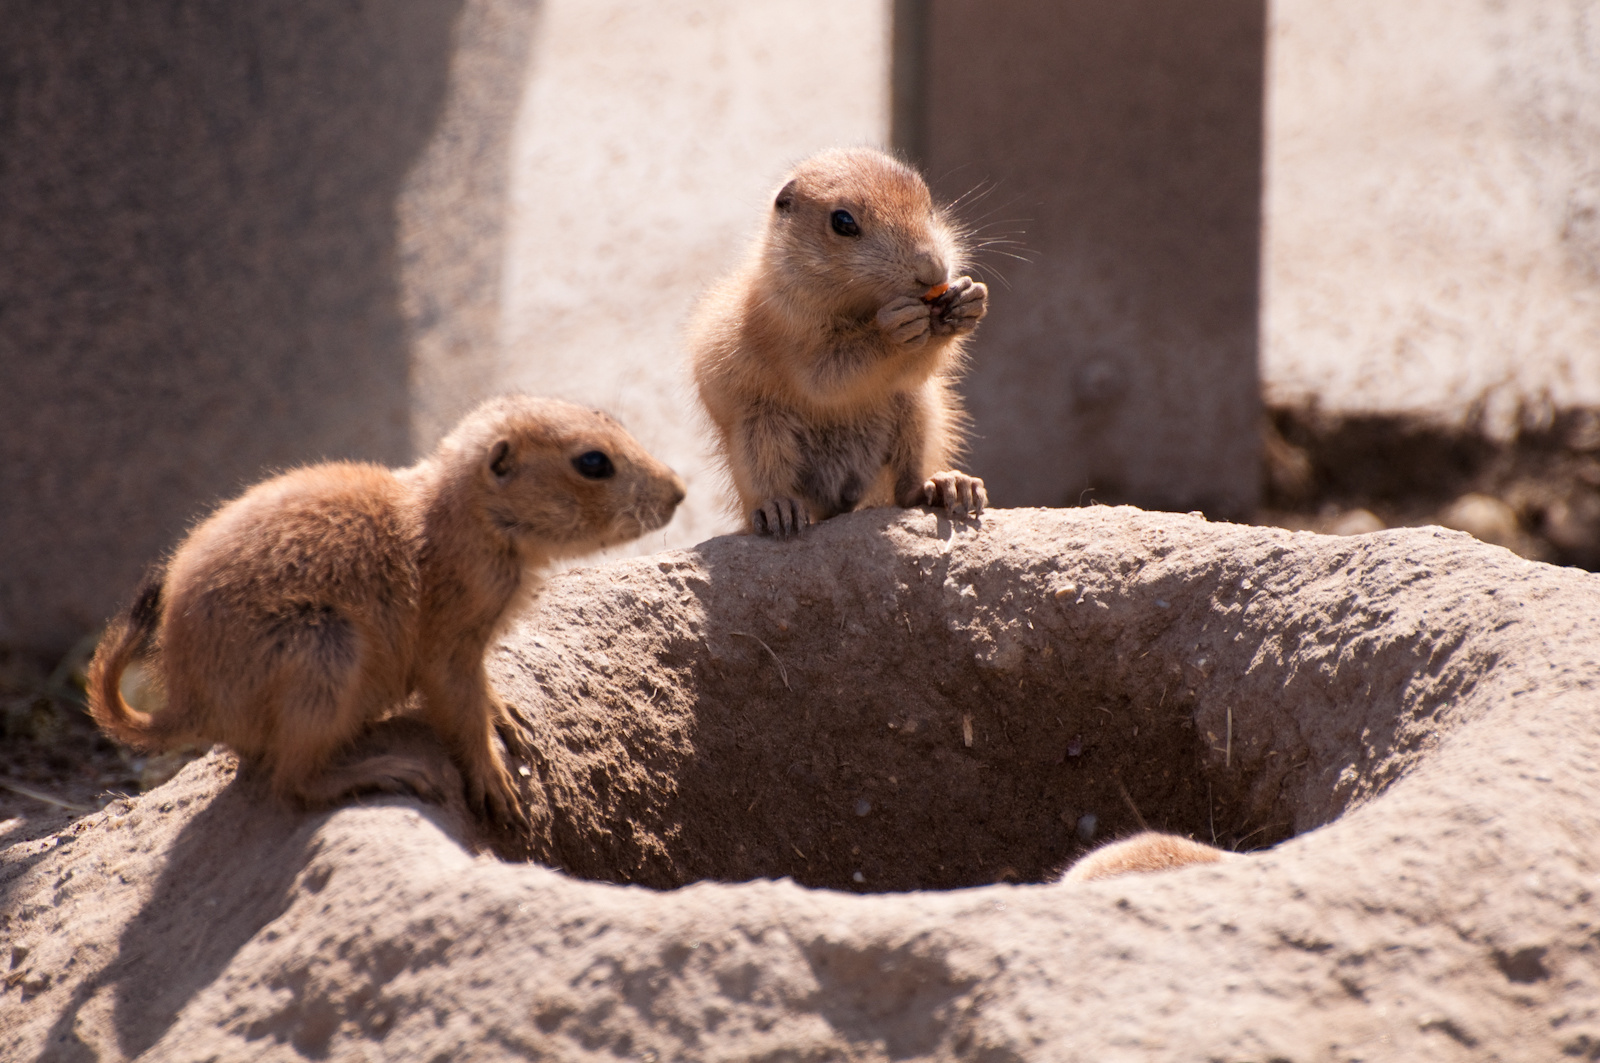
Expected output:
(594, 465)
(844, 223)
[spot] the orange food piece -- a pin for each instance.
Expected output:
(933, 293)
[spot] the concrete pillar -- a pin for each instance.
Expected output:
(201, 265)
(1119, 143)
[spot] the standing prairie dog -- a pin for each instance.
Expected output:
(320, 600)
(827, 361)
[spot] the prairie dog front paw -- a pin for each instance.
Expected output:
(961, 307)
(780, 517)
(491, 791)
(956, 492)
(513, 738)
(907, 320)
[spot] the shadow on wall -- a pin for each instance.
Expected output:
(199, 269)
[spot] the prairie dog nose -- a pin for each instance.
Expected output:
(931, 270)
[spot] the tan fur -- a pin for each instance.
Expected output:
(827, 377)
(1141, 853)
(321, 600)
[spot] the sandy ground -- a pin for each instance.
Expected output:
(805, 800)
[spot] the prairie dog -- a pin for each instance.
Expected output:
(1144, 852)
(319, 601)
(827, 361)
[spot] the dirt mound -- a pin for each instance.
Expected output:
(895, 706)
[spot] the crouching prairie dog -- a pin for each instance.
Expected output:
(827, 362)
(321, 600)
(1144, 852)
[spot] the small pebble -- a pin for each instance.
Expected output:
(858, 877)
(863, 806)
(1086, 826)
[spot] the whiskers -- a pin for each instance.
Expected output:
(976, 194)
(985, 237)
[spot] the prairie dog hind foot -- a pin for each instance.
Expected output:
(430, 780)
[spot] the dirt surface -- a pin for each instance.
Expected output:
(889, 709)
(1536, 493)
(54, 764)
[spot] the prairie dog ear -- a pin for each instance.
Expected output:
(500, 463)
(785, 198)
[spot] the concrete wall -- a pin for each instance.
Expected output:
(199, 268)
(650, 139)
(451, 217)
(238, 237)
(1120, 142)
(1433, 207)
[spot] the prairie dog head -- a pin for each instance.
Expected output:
(558, 479)
(853, 228)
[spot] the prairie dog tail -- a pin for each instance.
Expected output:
(117, 646)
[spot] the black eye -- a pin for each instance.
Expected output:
(594, 466)
(844, 224)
